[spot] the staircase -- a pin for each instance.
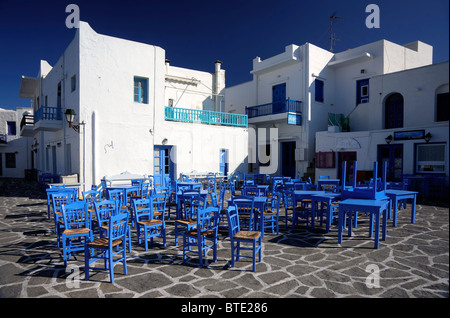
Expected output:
(310, 171)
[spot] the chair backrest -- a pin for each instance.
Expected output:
(214, 201)
(61, 198)
(158, 204)
(289, 199)
(246, 207)
(76, 215)
(117, 195)
(118, 226)
(275, 203)
(142, 209)
(91, 196)
(208, 219)
(105, 209)
(192, 205)
(222, 197)
(233, 220)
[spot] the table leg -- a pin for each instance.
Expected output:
(413, 210)
(377, 228)
(395, 208)
(384, 229)
(340, 225)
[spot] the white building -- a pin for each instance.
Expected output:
(346, 90)
(135, 113)
(15, 151)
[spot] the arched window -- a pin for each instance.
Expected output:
(442, 101)
(393, 111)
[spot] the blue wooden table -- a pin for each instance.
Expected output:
(374, 207)
(398, 195)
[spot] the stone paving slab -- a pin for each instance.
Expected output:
(413, 262)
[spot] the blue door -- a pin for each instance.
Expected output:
(288, 159)
(163, 166)
(278, 98)
(223, 162)
(393, 156)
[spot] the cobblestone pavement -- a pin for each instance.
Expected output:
(412, 262)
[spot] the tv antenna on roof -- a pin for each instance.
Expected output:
(332, 38)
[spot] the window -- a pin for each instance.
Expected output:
(170, 102)
(73, 83)
(430, 158)
(10, 160)
(141, 90)
(442, 107)
(362, 91)
(11, 128)
(325, 159)
(318, 97)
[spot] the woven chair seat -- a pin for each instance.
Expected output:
(247, 235)
(77, 231)
(186, 221)
(270, 212)
(103, 243)
(205, 233)
(150, 222)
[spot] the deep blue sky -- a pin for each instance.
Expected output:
(195, 33)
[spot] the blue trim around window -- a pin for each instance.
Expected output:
(141, 90)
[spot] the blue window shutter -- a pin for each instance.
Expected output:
(318, 90)
(362, 91)
(141, 90)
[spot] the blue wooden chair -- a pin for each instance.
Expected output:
(191, 207)
(148, 222)
(250, 240)
(270, 216)
(118, 195)
(59, 199)
(246, 210)
(109, 247)
(90, 197)
(211, 182)
(204, 235)
(76, 228)
(104, 210)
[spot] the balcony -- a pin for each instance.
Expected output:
(48, 119)
(208, 117)
(274, 111)
(27, 126)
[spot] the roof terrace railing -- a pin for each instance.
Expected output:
(48, 113)
(208, 117)
(287, 106)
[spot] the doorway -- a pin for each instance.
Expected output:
(350, 158)
(288, 159)
(393, 156)
(278, 98)
(223, 163)
(163, 166)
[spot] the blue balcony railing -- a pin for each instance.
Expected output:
(48, 113)
(187, 115)
(287, 106)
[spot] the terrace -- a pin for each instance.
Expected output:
(298, 262)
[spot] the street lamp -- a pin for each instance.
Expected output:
(70, 117)
(388, 139)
